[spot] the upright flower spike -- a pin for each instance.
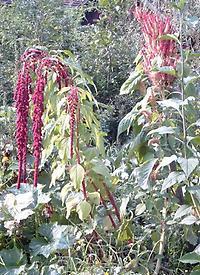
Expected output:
(156, 49)
(72, 100)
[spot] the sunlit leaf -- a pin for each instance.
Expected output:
(83, 209)
(190, 258)
(143, 173)
(77, 174)
(140, 208)
(173, 178)
(188, 165)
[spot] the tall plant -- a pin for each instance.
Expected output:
(164, 146)
(42, 76)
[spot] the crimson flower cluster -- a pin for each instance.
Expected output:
(38, 63)
(72, 100)
(157, 50)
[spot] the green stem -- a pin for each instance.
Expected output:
(162, 239)
(182, 108)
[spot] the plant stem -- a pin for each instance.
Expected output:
(112, 201)
(162, 239)
(104, 204)
(182, 86)
(182, 107)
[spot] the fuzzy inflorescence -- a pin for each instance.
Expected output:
(156, 49)
(37, 62)
(72, 100)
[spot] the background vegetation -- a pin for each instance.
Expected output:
(148, 161)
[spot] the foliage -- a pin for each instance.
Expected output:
(132, 207)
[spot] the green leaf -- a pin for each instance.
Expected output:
(94, 198)
(169, 37)
(143, 173)
(100, 168)
(189, 220)
(162, 131)
(131, 84)
(125, 232)
(181, 4)
(188, 165)
(182, 211)
(13, 271)
(72, 200)
(190, 258)
(173, 178)
(126, 122)
(171, 103)
(83, 209)
(12, 257)
(167, 160)
(58, 172)
(77, 174)
(165, 70)
(140, 208)
(197, 272)
(58, 237)
(123, 207)
(194, 140)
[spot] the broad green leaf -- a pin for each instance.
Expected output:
(58, 237)
(77, 174)
(94, 198)
(189, 220)
(173, 178)
(83, 209)
(194, 140)
(12, 257)
(72, 200)
(126, 122)
(125, 232)
(188, 165)
(182, 211)
(162, 131)
(171, 103)
(58, 172)
(132, 83)
(91, 153)
(100, 168)
(23, 215)
(190, 258)
(167, 160)
(143, 173)
(140, 208)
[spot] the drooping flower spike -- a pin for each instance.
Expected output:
(38, 62)
(157, 50)
(72, 100)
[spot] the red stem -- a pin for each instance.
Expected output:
(104, 204)
(112, 201)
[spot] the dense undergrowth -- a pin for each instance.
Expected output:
(108, 187)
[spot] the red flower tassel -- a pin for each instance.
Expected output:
(72, 107)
